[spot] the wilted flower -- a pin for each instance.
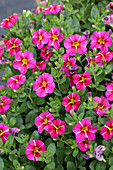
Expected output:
(13, 131)
(108, 20)
(86, 34)
(98, 153)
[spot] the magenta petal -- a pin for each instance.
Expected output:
(80, 137)
(41, 92)
(23, 69)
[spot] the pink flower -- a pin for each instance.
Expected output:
(23, 61)
(83, 129)
(55, 37)
(68, 62)
(109, 92)
(4, 104)
(33, 149)
(53, 9)
(2, 86)
(43, 121)
(4, 132)
(103, 105)
(84, 145)
(107, 130)
(104, 56)
(39, 9)
(43, 85)
(1, 51)
(40, 37)
(12, 45)
(70, 75)
(13, 131)
(57, 127)
(72, 101)
(92, 60)
(9, 22)
(100, 40)
(108, 20)
(45, 54)
(75, 44)
(41, 65)
(82, 80)
(110, 5)
(15, 81)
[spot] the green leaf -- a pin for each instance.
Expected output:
(68, 150)
(51, 165)
(35, 135)
(52, 149)
(1, 142)
(8, 71)
(101, 88)
(39, 100)
(1, 164)
(30, 105)
(57, 92)
(75, 152)
(71, 166)
(93, 165)
(81, 115)
(110, 162)
(101, 166)
(94, 11)
(23, 149)
(23, 107)
(103, 120)
(100, 76)
(12, 121)
(19, 140)
(9, 142)
(111, 168)
(80, 110)
(108, 69)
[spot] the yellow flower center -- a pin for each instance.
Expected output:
(56, 127)
(84, 129)
(55, 37)
(68, 64)
(44, 83)
(111, 5)
(76, 44)
(82, 79)
(101, 41)
(13, 45)
(45, 121)
(40, 37)
(72, 101)
(100, 107)
(35, 150)
(110, 129)
(1, 132)
(93, 62)
(47, 52)
(2, 104)
(25, 61)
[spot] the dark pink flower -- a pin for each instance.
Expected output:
(70, 75)
(4, 104)
(23, 61)
(43, 85)
(75, 44)
(53, 9)
(15, 81)
(100, 40)
(68, 62)
(4, 132)
(109, 92)
(82, 80)
(12, 45)
(103, 105)
(13, 131)
(104, 56)
(45, 54)
(55, 37)
(84, 145)
(39, 9)
(40, 37)
(83, 129)
(33, 149)
(1, 51)
(43, 121)
(72, 101)
(41, 65)
(9, 22)
(110, 5)
(107, 130)
(57, 127)
(92, 60)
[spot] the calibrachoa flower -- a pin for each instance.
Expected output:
(43, 85)
(40, 37)
(41, 65)
(4, 104)
(68, 62)
(9, 22)
(103, 105)
(2, 86)
(100, 40)
(104, 56)
(53, 9)
(4, 132)
(55, 37)
(84, 145)
(33, 149)
(109, 92)
(75, 44)
(12, 45)
(98, 153)
(92, 60)
(82, 80)
(1, 51)
(57, 127)
(45, 54)
(70, 75)
(43, 121)
(15, 81)
(39, 9)
(72, 101)
(107, 130)
(23, 61)
(83, 129)
(110, 5)
(108, 20)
